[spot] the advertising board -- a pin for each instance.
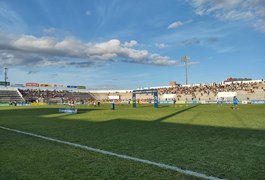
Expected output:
(258, 102)
(68, 110)
(71, 86)
(32, 84)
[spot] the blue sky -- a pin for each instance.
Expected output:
(126, 44)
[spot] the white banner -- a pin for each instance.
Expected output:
(168, 96)
(226, 94)
(113, 97)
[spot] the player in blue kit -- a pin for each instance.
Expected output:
(235, 103)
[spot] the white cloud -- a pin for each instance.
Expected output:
(29, 60)
(161, 45)
(88, 13)
(175, 25)
(134, 54)
(161, 60)
(235, 15)
(48, 51)
(31, 42)
(132, 43)
(250, 11)
(207, 6)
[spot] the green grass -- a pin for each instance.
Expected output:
(210, 139)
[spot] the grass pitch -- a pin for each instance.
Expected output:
(210, 139)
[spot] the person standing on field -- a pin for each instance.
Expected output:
(235, 103)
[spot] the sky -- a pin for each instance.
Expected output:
(127, 44)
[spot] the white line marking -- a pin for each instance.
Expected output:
(161, 165)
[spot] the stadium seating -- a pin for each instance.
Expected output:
(199, 92)
(253, 90)
(55, 96)
(10, 96)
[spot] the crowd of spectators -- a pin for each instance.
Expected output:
(38, 95)
(205, 90)
(195, 91)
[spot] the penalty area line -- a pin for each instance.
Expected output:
(160, 165)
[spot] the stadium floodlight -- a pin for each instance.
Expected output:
(6, 76)
(185, 59)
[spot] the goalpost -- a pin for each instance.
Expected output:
(225, 96)
(148, 91)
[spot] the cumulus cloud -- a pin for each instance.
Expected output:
(160, 60)
(132, 43)
(11, 58)
(48, 51)
(251, 11)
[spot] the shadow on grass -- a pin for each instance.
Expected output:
(165, 106)
(152, 106)
(44, 111)
(231, 153)
(175, 113)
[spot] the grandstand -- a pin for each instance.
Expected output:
(10, 95)
(251, 90)
(246, 91)
(55, 96)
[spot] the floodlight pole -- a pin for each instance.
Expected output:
(6, 76)
(186, 70)
(185, 59)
